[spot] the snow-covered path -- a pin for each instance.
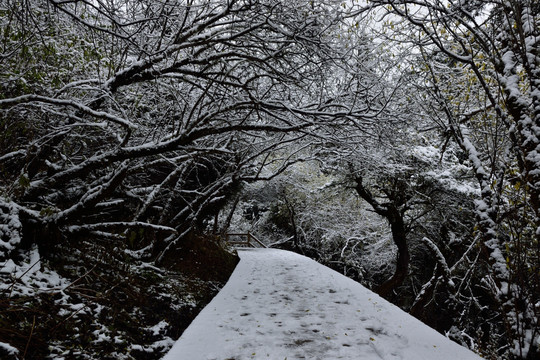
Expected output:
(281, 305)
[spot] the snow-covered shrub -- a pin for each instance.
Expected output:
(10, 228)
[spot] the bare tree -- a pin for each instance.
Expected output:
(157, 108)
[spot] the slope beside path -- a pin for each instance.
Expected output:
(280, 305)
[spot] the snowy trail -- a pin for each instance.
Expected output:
(281, 305)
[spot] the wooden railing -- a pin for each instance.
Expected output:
(251, 240)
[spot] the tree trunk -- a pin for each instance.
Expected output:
(399, 234)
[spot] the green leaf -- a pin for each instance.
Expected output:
(24, 181)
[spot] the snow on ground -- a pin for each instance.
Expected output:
(281, 305)
(27, 277)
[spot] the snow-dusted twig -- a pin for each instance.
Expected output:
(155, 192)
(9, 155)
(121, 224)
(94, 195)
(441, 260)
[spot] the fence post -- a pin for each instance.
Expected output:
(248, 239)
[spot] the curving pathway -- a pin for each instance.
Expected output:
(280, 305)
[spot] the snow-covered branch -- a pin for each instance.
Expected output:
(70, 103)
(120, 225)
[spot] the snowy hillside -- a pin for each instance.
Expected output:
(281, 305)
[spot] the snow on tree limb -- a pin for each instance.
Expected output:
(441, 261)
(70, 103)
(121, 225)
